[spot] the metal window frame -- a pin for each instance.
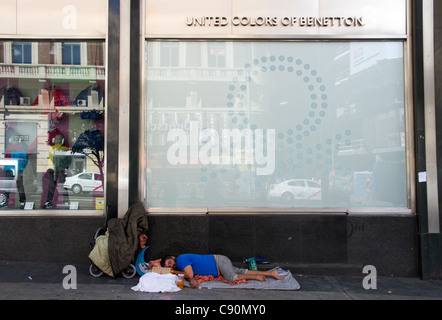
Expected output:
(430, 117)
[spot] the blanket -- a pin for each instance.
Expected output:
(154, 282)
(124, 236)
(288, 282)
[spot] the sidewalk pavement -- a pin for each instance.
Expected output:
(44, 281)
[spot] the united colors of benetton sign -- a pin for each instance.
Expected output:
(269, 18)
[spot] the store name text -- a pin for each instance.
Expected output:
(273, 21)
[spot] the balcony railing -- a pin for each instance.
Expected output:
(196, 74)
(56, 72)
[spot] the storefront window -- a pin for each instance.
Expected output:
(275, 124)
(52, 125)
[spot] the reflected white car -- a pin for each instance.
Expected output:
(8, 177)
(295, 189)
(84, 182)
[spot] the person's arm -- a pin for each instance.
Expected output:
(189, 276)
(155, 263)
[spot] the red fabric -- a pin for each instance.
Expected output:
(59, 97)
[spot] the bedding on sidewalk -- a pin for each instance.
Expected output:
(288, 282)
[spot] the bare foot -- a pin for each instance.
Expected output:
(274, 274)
(260, 278)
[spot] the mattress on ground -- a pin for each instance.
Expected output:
(288, 282)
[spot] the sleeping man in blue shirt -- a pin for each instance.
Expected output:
(213, 265)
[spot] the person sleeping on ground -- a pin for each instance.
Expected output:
(213, 265)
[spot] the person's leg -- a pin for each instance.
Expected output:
(226, 269)
(21, 187)
(259, 275)
(231, 273)
(62, 179)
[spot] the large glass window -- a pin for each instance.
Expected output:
(52, 125)
(275, 124)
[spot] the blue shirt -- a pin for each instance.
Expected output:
(202, 265)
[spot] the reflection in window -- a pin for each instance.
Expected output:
(2, 52)
(22, 52)
(253, 118)
(52, 125)
(169, 54)
(46, 53)
(193, 56)
(87, 176)
(296, 183)
(71, 53)
(217, 54)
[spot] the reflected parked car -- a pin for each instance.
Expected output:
(8, 177)
(84, 182)
(295, 189)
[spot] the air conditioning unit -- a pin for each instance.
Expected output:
(25, 101)
(82, 102)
